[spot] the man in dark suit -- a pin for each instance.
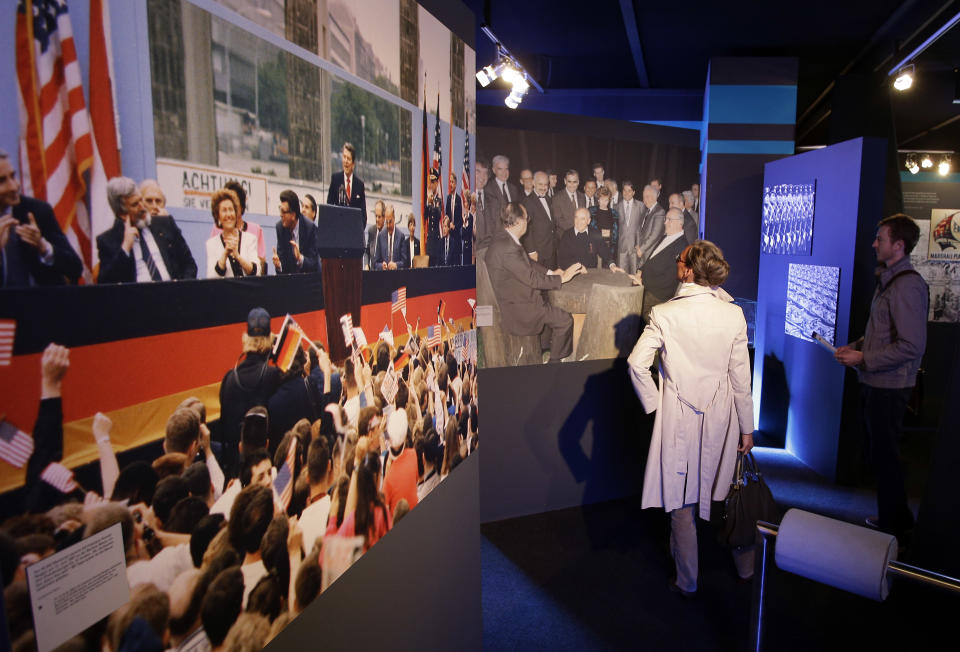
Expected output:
(566, 202)
(140, 247)
(582, 244)
(630, 212)
(391, 245)
(454, 205)
(659, 273)
(540, 240)
(373, 232)
(297, 244)
(691, 221)
(33, 249)
(346, 188)
(412, 244)
(508, 192)
(447, 250)
(518, 285)
(489, 206)
(651, 228)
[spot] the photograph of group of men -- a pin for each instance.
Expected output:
(552, 227)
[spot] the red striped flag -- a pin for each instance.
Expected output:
(8, 329)
(433, 336)
(401, 361)
(59, 477)
(390, 385)
(359, 337)
(398, 301)
(289, 341)
(285, 480)
(441, 308)
(56, 145)
(16, 446)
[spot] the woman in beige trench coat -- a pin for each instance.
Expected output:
(704, 405)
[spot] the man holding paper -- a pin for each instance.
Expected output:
(887, 359)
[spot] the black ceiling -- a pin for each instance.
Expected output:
(572, 44)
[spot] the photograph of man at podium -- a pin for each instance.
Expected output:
(346, 188)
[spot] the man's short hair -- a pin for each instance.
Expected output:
(482, 163)
(308, 581)
(512, 213)
(500, 158)
(170, 491)
(202, 534)
(381, 204)
(4, 155)
(255, 428)
(292, 201)
(222, 604)
(151, 183)
(240, 191)
(318, 460)
(596, 165)
(250, 517)
(136, 483)
(186, 515)
(674, 214)
(569, 172)
(310, 200)
(687, 195)
(646, 187)
(627, 182)
(903, 228)
(195, 404)
(197, 477)
(118, 189)
(183, 430)
(146, 602)
(350, 148)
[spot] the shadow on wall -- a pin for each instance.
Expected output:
(774, 403)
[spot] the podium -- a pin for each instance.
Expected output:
(340, 234)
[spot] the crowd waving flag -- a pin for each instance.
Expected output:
(8, 329)
(398, 301)
(60, 477)
(287, 344)
(59, 156)
(465, 174)
(434, 335)
(284, 482)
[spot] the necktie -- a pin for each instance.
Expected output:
(446, 249)
(481, 200)
(348, 191)
(148, 259)
(390, 246)
(506, 193)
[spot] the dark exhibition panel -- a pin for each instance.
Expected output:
(419, 586)
(798, 386)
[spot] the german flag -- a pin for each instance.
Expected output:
(287, 344)
(401, 361)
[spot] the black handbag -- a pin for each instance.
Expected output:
(749, 501)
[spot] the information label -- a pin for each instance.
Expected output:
(76, 587)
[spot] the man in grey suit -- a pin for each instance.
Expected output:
(373, 233)
(631, 214)
(540, 240)
(518, 285)
(501, 174)
(651, 227)
(489, 206)
(567, 201)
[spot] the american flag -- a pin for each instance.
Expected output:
(284, 482)
(390, 385)
(465, 175)
(437, 152)
(60, 477)
(433, 335)
(387, 335)
(57, 148)
(398, 301)
(360, 338)
(16, 446)
(8, 328)
(346, 323)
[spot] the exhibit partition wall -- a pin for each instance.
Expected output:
(127, 365)
(820, 211)
(554, 166)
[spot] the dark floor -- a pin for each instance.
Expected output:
(596, 577)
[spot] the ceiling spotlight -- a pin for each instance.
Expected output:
(926, 162)
(491, 72)
(904, 78)
(912, 165)
(514, 98)
(944, 167)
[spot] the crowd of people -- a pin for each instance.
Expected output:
(145, 244)
(540, 236)
(242, 522)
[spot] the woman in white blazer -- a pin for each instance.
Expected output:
(232, 252)
(704, 404)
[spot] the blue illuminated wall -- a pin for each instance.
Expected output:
(798, 386)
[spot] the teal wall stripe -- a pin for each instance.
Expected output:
(928, 177)
(752, 104)
(750, 147)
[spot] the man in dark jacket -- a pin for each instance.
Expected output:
(33, 249)
(251, 382)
